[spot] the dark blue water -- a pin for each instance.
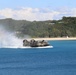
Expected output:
(60, 60)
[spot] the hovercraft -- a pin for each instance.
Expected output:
(35, 43)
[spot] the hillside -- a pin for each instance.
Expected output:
(51, 28)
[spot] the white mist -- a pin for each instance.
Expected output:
(9, 40)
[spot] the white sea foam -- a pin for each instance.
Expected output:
(46, 47)
(37, 47)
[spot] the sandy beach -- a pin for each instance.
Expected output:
(57, 38)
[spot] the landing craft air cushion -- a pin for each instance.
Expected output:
(34, 43)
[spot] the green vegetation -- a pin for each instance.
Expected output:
(51, 28)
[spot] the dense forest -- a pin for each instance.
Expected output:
(50, 28)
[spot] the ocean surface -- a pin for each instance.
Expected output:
(59, 60)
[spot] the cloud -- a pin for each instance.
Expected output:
(32, 14)
(73, 12)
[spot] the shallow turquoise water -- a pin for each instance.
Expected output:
(60, 60)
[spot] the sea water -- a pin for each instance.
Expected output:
(59, 60)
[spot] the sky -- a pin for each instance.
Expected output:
(37, 9)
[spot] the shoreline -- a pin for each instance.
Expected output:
(56, 38)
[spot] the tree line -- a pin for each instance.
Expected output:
(50, 28)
